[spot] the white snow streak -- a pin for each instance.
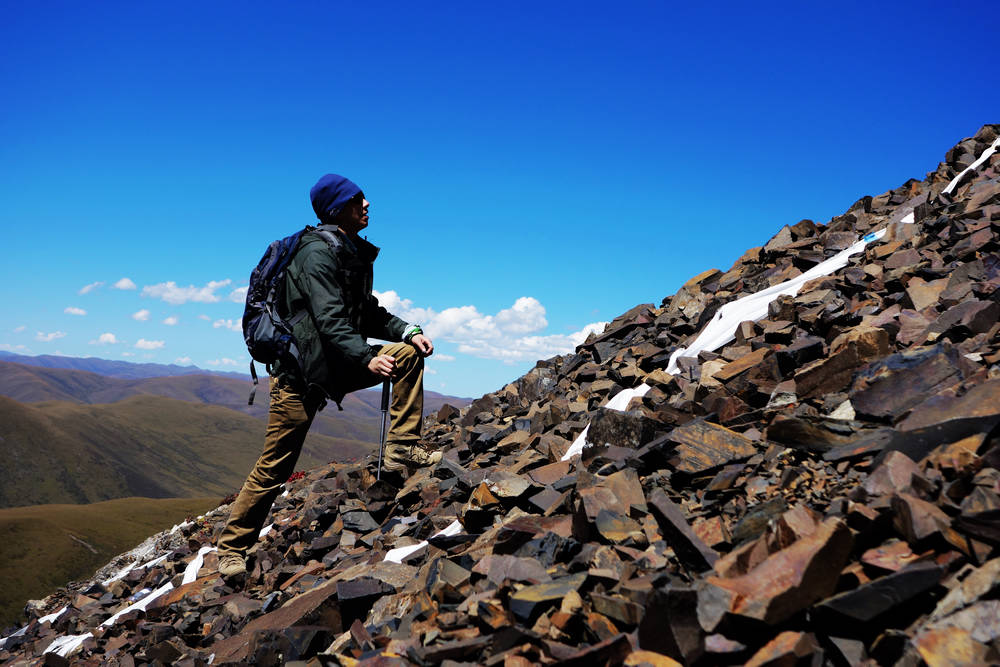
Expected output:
(722, 328)
(397, 555)
(972, 167)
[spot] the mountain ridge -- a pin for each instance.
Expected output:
(820, 488)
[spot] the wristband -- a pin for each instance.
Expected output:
(411, 332)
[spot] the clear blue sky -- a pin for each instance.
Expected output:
(533, 168)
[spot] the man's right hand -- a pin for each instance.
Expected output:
(383, 365)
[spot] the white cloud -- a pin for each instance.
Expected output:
(20, 329)
(89, 288)
(171, 321)
(184, 361)
(124, 283)
(239, 295)
(49, 337)
(526, 315)
(223, 362)
(528, 348)
(403, 307)
(13, 348)
(72, 310)
(204, 317)
(235, 325)
(141, 315)
(105, 339)
(128, 354)
(144, 344)
(504, 336)
(172, 294)
(443, 357)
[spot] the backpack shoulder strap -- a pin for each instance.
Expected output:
(333, 240)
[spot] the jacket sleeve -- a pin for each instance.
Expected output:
(380, 323)
(327, 299)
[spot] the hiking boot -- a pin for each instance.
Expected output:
(232, 565)
(403, 457)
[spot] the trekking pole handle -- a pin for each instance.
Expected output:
(385, 395)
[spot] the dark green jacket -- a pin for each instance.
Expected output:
(332, 283)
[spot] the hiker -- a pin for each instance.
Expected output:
(328, 297)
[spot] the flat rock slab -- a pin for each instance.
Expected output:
(889, 388)
(885, 594)
(236, 648)
(500, 568)
(701, 446)
(532, 600)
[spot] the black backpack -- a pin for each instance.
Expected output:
(268, 335)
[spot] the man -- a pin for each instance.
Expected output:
(328, 297)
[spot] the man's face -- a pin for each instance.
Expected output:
(354, 217)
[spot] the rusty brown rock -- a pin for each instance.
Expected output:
(679, 535)
(788, 648)
(701, 446)
(785, 583)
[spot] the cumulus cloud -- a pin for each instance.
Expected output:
(223, 362)
(20, 329)
(511, 335)
(72, 310)
(234, 325)
(124, 283)
(403, 307)
(443, 357)
(239, 295)
(171, 321)
(90, 288)
(184, 361)
(49, 337)
(13, 348)
(144, 344)
(525, 316)
(105, 339)
(176, 295)
(529, 348)
(204, 317)
(128, 354)
(141, 315)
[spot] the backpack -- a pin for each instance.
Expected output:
(268, 335)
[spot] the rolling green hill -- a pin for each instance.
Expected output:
(144, 445)
(75, 436)
(358, 420)
(44, 546)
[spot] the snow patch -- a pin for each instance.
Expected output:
(397, 555)
(972, 167)
(65, 645)
(191, 571)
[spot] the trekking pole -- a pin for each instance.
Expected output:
(381, 437)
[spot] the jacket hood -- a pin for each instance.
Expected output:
(330, 194)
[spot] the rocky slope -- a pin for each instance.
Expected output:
(821, 489)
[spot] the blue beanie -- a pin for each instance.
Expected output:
(330, 194)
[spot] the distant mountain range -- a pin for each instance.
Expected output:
(111, 368)
(73, 436)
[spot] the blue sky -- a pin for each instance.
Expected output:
(533, 168)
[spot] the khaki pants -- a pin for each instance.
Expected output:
(290, 416)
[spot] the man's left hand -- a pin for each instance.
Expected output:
(423, 344)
